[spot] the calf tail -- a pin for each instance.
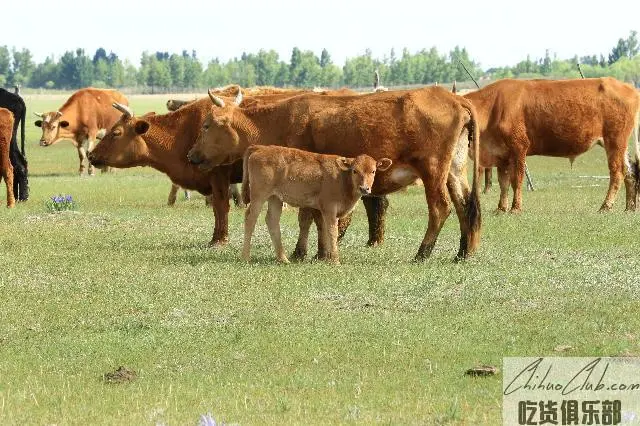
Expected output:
(246, 189)
(473, 213)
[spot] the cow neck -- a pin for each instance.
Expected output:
(169, 138)
(264, 125)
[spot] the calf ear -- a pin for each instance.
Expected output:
(344, 163)
(64, 123)
(383, 164)
(38, 123)
(141, 127)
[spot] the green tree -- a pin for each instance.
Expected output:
(44, 73)
(176, 66)
(158, 74)
(23, 67)
(5, 64)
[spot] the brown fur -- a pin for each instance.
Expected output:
(327, 183)
(420, 131)
(87, 111)
(559, 119)
(6, 169)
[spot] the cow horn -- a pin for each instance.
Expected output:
(38, 114)
(238, 99)
(58, 114)
(216, 100)
(123, 109)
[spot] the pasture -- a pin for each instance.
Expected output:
(128, 281)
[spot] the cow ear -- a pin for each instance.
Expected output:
(383, 164)
(141, 127)
(64, 123)
(38, 123)
(344, 164)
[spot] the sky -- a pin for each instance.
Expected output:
(495, 32)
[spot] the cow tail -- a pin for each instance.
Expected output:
(22, 132)
(473, 213)
(246, 189)
(636, 163)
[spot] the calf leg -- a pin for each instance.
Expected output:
(305, 218)
(330, 220)
(376, 208)
(459, 192)
(435, 189)
(274, 211)
(172, 194)
(250, 219)
(220, 178)
(343, 224)
(322, 244)
(90, 142)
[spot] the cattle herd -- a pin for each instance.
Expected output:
(322, 151)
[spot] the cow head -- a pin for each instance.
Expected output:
(218, 142)
(123, 145)
(363, 170)
(51, 123)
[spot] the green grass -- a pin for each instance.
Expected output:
(128, 281)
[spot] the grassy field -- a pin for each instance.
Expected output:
(128, 281)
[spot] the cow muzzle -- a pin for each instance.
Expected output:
(44, 142)
(365, 190)
(194, 158)
(94, 161)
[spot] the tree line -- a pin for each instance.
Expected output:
(164, 70)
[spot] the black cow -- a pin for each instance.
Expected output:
(15, 104)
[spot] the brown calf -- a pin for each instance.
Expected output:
(6, 169)
(328, 183)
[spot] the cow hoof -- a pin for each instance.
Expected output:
(605, 208)
(515, 211)
(245, 258)
(283, 260)
(298, 255)
(499, 210)
(373, 243)
(218, 243)
(11, 205)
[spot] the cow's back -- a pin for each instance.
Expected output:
(557, 117)
(93, 108)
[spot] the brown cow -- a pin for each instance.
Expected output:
(328, 183)
(426, 133)
(172, 105)
(6, 169)
(560, 119)
(80, 119)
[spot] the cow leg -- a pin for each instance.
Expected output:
(459, 192)
(343, 224)
(250, 219)
(274, 211)
(20, 174)
(615, 160)
(220, 178)
(503, 181)
(90, 142)
(82, 155)
(488, 176)
(435, 188)
(305, 218)
(173, 192)
(516, 173)
(235, 194)
(330, 233)
(376, 208)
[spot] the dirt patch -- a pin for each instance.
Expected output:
(121, 375)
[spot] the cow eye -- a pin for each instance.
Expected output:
(354, 172)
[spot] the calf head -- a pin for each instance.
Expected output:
(51, 123)
(123, 145)
(363, 170)
(218, 142)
